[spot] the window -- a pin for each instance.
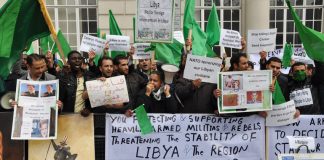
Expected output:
(74, 18)
(309, 11)
(229, 12)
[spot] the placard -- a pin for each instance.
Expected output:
(118, 43)
(111, 91)
(302, 97)
(154, 21)
(310, 156)
(35, 116)
(282, 114)
(177, 15)
(230, 39)
(185, 136)
(89, 43)
(261, 40)
(178, 35)
(202, 67)
(75, 140)
(309, 125)
(140, 51)
(245, 91)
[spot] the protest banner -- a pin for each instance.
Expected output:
(230, 39)
(295, 142)
(245, 91)
(9, 149)
(282, 114)
(310, 156)
(75, 140)
(35, 116)
(154, 21)
(261, 40)
(308, 125)
(139, 51)
(111, 91)
(118, 43)
(302, 97)
(92, 43)
(202, 67)
(177, 15)
(185, 136)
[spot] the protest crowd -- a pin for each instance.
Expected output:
(150, 84)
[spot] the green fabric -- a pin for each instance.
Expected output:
(58, 59)
(199, 38)
(98, 32)
(134, 22)
(30, 50)
(277, 95)
(213, 29)
(312, 40)
(169, 53)
(64, 43)
(21, 22)
(46, 43)
(288, 52)
(210, 51)
(299, 76)
(114, 30)
(103, 36)
(143, 120)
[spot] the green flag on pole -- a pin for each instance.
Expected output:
(114, 30)
(30, 50)
(312, 40)
(21, 22)
(64, 43)
(288, 52)
(169, 53)
(47, 44)
(189, 17)
(277, 96)
(143, 120)
(213, 29)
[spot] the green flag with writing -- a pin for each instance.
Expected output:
(312, 40)
(143, 120)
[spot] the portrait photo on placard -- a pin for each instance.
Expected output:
(254, 97)
(233, 82)
(48, 90)
(29, 90)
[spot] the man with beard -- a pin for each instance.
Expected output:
(72, 85)
(144, 68)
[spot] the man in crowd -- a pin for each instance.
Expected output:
(144, 68)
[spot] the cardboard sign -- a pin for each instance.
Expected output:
(230, 39)
(261, 40)
(139, 51)
(185, 136)
(282, 114)
(89, 43)
(118, 43)
(154, 21)
(302, 97)
(202, 67)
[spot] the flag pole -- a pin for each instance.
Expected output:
(52, 29)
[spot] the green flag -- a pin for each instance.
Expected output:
(188, 17)
(64, 43)
(47, 44)
(30, 50)
(143, 120)
(277, 95)
(312, 40)
(213, 29)
(114, 30)
(169, 53)
(21, 22)
(98, 32)
(288, 52)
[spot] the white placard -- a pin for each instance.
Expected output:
(202, 67)
(308, 156)
(92, 43)
(296, 142)
(282, 114)
(111, 91)
(35, 116)
(118, 43)
(256, 80)
(185, 136)
(261, 40)
(230, 39)
(308, 125)
(139, 51)
(302, 97)
(154, 21)
(301, 56)
(178, 35)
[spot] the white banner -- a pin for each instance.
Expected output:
(202, 67)
(309, 125)
(282, 114)
(302, 97)
(111, 91)
(184, 136)
(118, 43)
(92, 43)
(139, 51)
(35, 116)
(261, 40)
(230, 39)
(154, 21)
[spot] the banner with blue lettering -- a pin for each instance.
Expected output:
(185, 136)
